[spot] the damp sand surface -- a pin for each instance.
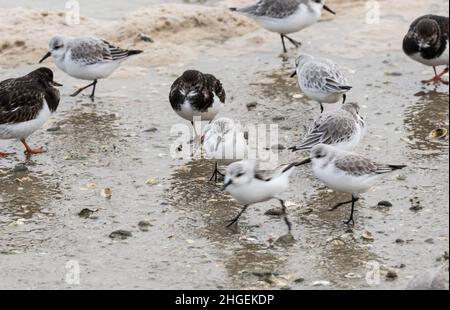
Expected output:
(122, 142)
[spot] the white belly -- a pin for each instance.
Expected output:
(299, 20)
(440, 61)
(259, 191)
(351, 144)
(82, 71)
(25, 129)
(320, 96)
(342, 182)
(188, 113)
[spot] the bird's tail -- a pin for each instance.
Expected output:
(396, 167)
(133, 52)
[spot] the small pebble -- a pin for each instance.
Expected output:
(120, 234)
(20, 168)
(391, 275)
(385, 203)
(251, 105)
(274, 212)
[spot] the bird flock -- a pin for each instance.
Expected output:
(27, 102)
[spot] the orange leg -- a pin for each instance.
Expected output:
(437, 77)
(31, 151)
(3, 154)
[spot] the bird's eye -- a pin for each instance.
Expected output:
(239, 174)
(58, 47)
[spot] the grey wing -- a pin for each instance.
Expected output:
(272, 8)
(265, 170)
(357, 165)
(325, 77)
(329, 129)
(92, 50)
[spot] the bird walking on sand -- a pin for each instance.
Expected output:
(26, 103)
(224, 141)
(427, 42)
(249, 183)
(343, 128)
(346, 172)
(285, 16)
(87, 58)
(197, 95)
(321, 80)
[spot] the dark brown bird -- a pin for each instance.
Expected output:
(26, 103)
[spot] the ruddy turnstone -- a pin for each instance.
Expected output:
(249, 183)
(427, 43)
(26, 103)
(346, 172)
(343, 128)
(87, 58)
(285, 16)
(197, 95)
(321, 80)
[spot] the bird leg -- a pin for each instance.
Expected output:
(231, 222)
(2, 154)
(85, 87)
(32, 151)
(294, 42)
(284, 45)
(285, 216)
(437, 77)
(93, 90)
(350, 220)
(321, 107)
(344, 98)
(216, 173)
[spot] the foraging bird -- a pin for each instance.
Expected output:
(87, 58)
(427, 42)
(224, 141)
(26, 103)
(321, 80)
(285, 16)
(343, 128)
(249, 183)
(346, 172)
(197, 95)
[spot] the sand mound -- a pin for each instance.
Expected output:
(175, 30)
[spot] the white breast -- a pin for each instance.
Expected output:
(25, 129)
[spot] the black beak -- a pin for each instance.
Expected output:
(294, 74)
(226, 185)
(55, 83)
(329, 10)
(306, 161)
(45, 57)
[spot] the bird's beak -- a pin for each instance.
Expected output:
(45, 57)
(326, 8)
(55, 83)
(227, 184)
(306, 161)
(294, 74)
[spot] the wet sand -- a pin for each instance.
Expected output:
(123, 140)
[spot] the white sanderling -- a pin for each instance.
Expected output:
(427, 43)
(343, 128)
(320, 79)
(249, 183)
(224, 141)
(87, 58)
(346, 172)
(26, 103)
(285, 16)
(197, 95)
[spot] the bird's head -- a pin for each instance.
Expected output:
(57, 48)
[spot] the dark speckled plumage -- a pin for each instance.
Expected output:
(201, 87)
(21, 99)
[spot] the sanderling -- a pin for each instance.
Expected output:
(87, 58)
(343, 128)
(427, 43)
(346, 172)
(196, 94)
(26, 103)
(321, 79)
(249, 183)
(224, 141)
(285, 16)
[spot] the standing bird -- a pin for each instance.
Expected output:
(249, 183)
(346, 172)
(427, 43)
(26, 103)
(285, 16)
(343, 128)
(224, 141)
(321, 80)
(87, 58)
(197, 95)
